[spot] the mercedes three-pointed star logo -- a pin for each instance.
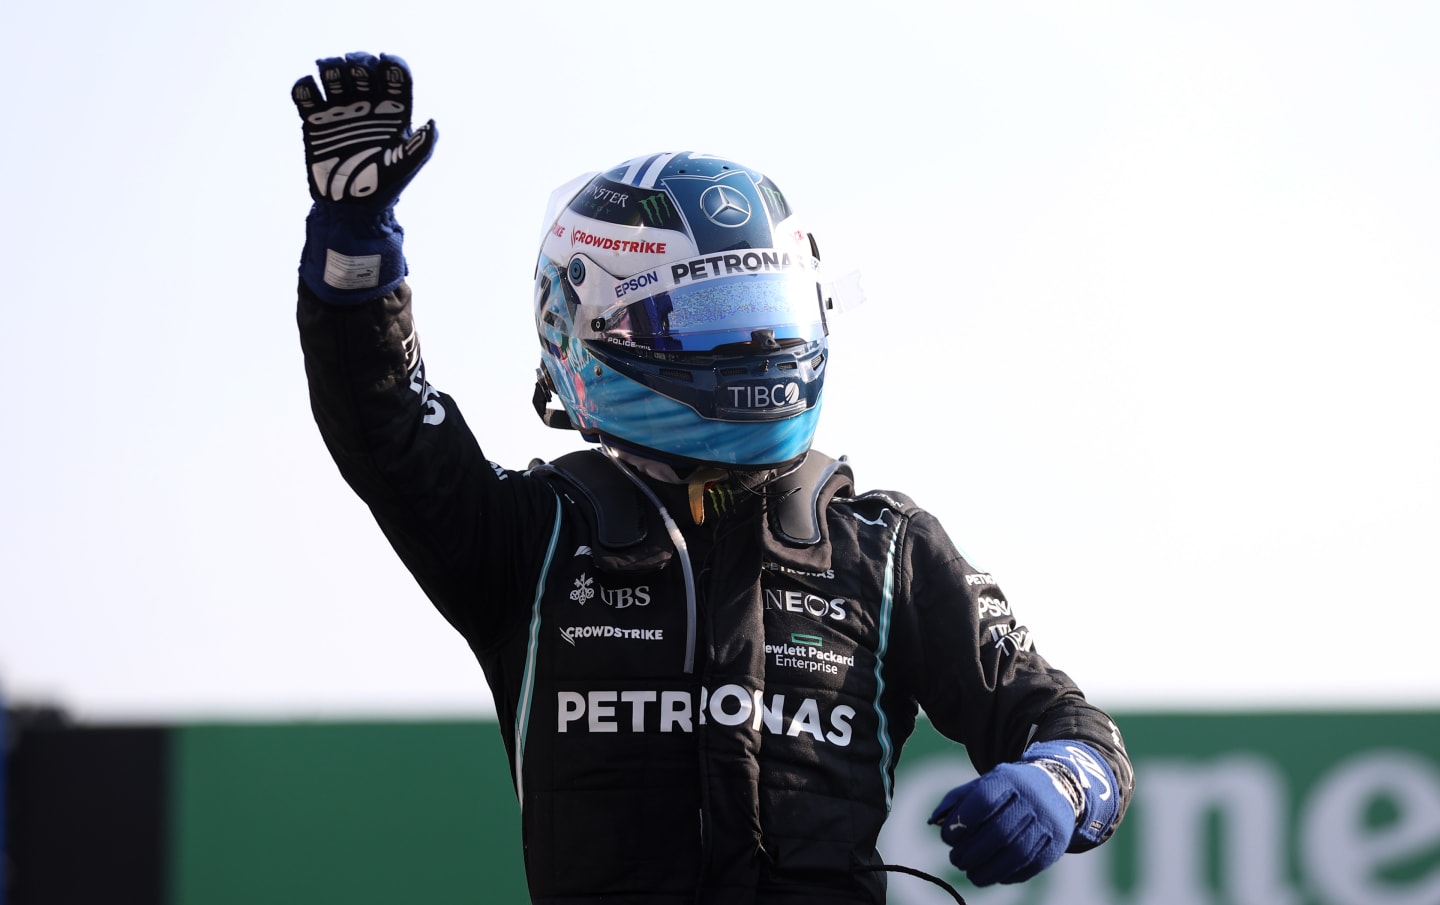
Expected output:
(725, 206)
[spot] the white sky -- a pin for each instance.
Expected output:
(1152, 323)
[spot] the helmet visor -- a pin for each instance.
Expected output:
(710, 314)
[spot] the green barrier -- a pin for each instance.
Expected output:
(1241, 809)
(358, 813)
(1252, 809)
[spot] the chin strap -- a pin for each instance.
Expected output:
(544, 390)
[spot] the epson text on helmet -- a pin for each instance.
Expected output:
(639, 280)
(673, 711)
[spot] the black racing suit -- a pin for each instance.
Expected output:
(710, 721)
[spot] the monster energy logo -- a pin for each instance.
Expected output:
(656, 208)
(599, 198)
(720, 497)
(775, 200)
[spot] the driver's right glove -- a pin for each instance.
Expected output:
(360, 153)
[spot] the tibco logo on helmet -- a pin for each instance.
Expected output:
(696, 336)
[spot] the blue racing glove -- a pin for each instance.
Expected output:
(1019, 818)
(360, 153)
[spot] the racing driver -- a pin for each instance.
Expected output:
(706, 646)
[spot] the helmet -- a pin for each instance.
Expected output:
(680, 314)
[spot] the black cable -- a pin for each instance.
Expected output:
(902, 869)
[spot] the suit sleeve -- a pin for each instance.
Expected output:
(980, 677)
(456, 520)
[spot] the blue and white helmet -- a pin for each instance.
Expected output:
(681, 315)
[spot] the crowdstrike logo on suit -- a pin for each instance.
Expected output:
(572, 633)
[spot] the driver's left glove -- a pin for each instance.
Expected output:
(1019, 818)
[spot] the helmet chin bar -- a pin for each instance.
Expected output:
(560, 419)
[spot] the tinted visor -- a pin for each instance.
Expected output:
(711, 315)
